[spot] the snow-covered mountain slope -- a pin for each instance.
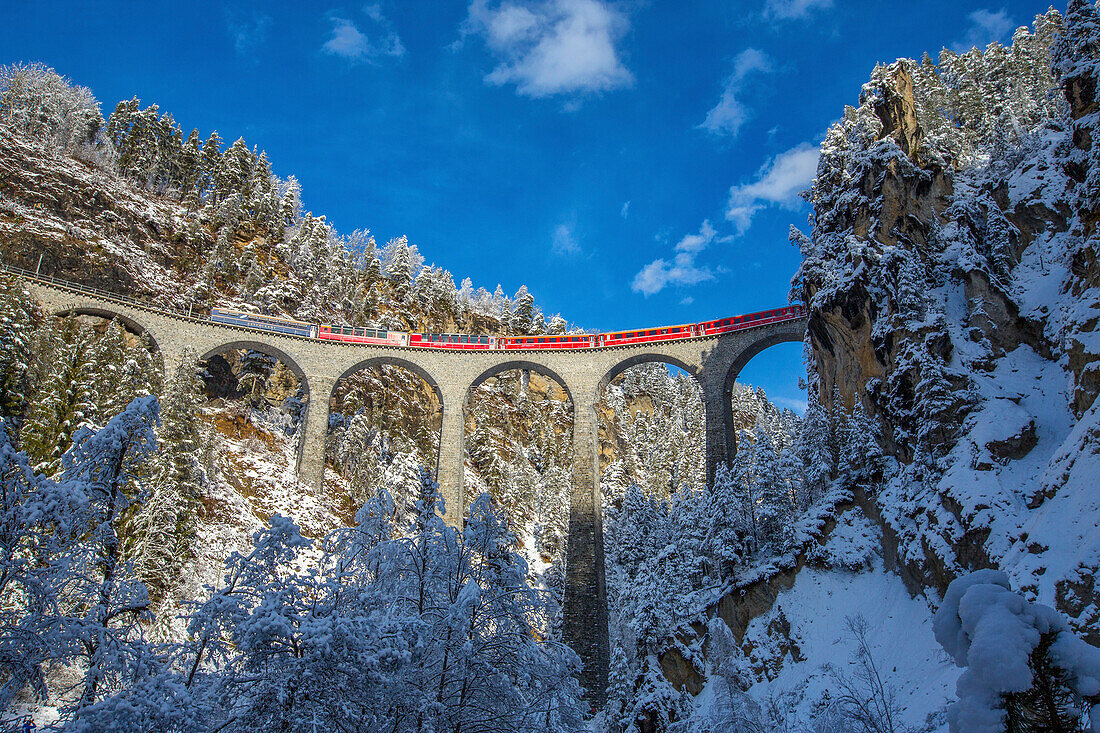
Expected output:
(805, 648)
(954, 294)
(951, 298)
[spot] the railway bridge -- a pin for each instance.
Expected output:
(714, 360)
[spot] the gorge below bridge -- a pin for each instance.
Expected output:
(714, 361)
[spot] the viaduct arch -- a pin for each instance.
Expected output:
(129, 323)
(714, 360)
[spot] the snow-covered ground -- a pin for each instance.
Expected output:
(794, 661)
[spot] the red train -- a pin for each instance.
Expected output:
(358, 335)
(587, 341)
(665, 333)
(452, 341)
(751, 320)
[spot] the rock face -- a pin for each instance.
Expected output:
(948, 260)
(90, 227)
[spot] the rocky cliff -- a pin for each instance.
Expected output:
(951, 278)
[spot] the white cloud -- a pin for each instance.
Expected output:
(625, 211)
(696, 243)
(348, 42)
(564, 241)
(985, 27)
(778, 182)
(798, 406)
(726, 117)
(793, 9)
(247, 33)
(552, 47)
(687, 300)
(654, 277)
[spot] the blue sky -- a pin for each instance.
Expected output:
(633, 163)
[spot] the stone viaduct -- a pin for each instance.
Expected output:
(715, 361)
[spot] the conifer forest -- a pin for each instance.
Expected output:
(915, 549)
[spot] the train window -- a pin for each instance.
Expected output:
(542, 341)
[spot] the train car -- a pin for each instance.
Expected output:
(460, 341)
(749, 320)
(358, 335)
(584, 341)
(664, 333)
(275, 324)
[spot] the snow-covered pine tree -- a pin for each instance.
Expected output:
(397, 266)
(234, 173)
(1023, 667)
(745, 511)
(211, 164)
(254, 279)
(65, 395)
(99, 622)
(255, 369)
(37, 523)
(726, 535)
(160, 533)
(502, 674)
(290, 205)
(18, 318)
(1074, 54)
(125, 370)
(190, 170)
(775, 510)
(263, 196)
(436, 298)
(42, 106)
(522, 317)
